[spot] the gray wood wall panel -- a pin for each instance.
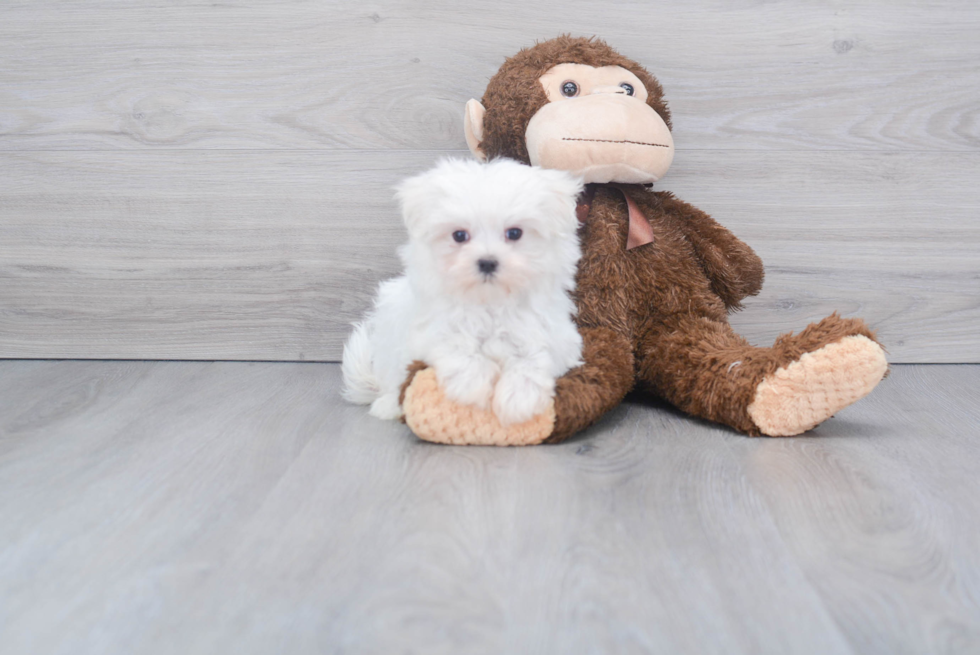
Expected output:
(212, 254)
(776, 75)
(213, 181)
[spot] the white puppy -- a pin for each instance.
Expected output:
(489, 264)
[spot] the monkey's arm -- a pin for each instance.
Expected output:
(733, 267)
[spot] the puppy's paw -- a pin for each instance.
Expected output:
(519, 396)
(470, 383)
(386, 407)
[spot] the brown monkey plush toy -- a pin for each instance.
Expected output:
(657, 276)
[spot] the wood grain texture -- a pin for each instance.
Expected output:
(777, 75)
(271, 255)
(212, 181)
(202, 507)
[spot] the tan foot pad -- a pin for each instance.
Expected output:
(433, 417)
(801, 395)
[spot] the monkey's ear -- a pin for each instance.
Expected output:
(473, 127)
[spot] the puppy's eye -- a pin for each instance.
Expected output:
(628, 88)
(461, 236)
(569, 89)
(514, 233)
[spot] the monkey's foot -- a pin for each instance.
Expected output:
(433, 417)
(806, 392)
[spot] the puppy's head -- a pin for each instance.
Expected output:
(487, 231)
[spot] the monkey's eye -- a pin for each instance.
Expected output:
(461, 236)
(628, 87)
(569, 89)
(514, 233)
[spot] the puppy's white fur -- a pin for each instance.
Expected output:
(495, 341)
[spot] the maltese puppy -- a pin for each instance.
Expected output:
(489, 265)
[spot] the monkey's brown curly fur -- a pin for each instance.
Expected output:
(654, 317)
(657, 316)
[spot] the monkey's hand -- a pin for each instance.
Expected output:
(734, 269)
(433, 417)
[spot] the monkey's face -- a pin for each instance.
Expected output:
(598, 124)
(595, 123)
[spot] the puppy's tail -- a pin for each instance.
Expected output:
(360, 384)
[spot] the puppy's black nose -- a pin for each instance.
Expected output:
(487, 266)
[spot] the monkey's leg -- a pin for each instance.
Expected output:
(588, 391)
(581, 396)
(704, 368)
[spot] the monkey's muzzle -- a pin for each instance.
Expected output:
(603, 137)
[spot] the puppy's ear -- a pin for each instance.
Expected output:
(565, 188)
(414, 196)
(564, 183)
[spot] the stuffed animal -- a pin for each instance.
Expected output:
(657, 277)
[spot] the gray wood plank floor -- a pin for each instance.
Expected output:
(213, 180)
(201, 507)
